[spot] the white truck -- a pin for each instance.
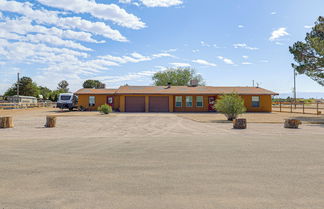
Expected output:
(67, 101)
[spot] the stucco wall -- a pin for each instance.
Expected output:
(99, 100)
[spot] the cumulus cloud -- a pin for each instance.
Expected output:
(245, 57)
(161, 3)
(240, 26)
(308, 26)
(204, 62)
(180, 64)
(246, 63)
(226, 60)
(244, 46)
(110, 12)
(276, 34)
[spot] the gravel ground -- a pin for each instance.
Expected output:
(158, 161)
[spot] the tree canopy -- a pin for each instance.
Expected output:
(177, 77)
(26, 88)
(231, 105)
(62, 86)
(94, 84)
(309, 55)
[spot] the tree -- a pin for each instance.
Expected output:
(63, 86)
(45, 92)
(26, 88)
(231, 105)
(93, 84)
(177, 77)
(310, 54)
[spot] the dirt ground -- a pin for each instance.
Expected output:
(130, 161)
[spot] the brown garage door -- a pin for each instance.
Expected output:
(134, 104)
(159, 104)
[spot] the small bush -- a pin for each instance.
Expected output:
(231, 105)
(105, 109)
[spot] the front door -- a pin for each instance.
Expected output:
(110, 101)
(211, 103)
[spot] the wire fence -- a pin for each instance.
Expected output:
(10, 106)
(316, 108)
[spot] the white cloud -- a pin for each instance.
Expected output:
(161, 3)
(204, 62)
(226, 60)
(273, 13)
(195, 50)
(245, 57)
(162, 55)
(110, 12)
(52, 18)
(276, 34)
(246, 63)
(264, 61)
(240, 26)
(180, 64)
(308, 26)
(244, 46)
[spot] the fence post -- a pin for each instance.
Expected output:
(303, 107)
(280, 105)
(317, 108)
(291, 106)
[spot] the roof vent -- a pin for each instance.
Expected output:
(194, 83)
(169, 85)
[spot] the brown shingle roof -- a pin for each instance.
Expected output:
(96, 91)
(192, 90)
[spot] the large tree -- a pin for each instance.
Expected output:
(45, 92)
(62, 86)
(177, 77)
(93, 84)
(310, 54)
(26, 88)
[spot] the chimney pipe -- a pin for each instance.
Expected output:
(169, 85)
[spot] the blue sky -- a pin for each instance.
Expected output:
(230, 43)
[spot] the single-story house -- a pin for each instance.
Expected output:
(172, 98)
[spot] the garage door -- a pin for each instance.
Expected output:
(134, 104)
(159, 104)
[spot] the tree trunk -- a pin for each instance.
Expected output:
(6, 122)
(292, 123)
(50, 121)
(239, 123)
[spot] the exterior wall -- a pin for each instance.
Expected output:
(122, 102)
(83, 100)
(193, 108)
(119, 102)
(265, 103)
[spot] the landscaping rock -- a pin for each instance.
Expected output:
(292, 123)
(239, 123)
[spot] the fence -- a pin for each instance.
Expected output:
(9, 106)
(316, 108)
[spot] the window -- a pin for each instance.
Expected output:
(110, 100)
(255, 101)
(199, 101)
(64, 97)
(178, 102)
(188, 101)
(92, 101)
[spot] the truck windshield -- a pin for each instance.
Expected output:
(65, 97)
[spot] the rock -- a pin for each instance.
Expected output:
(292, 123)
(239, 123)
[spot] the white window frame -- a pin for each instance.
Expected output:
(202, 101)
(176, 102)
(188, 101)
(92, 101)
(256, 99)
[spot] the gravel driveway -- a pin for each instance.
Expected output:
(159, 161)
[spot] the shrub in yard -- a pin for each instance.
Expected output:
(105, 109)
(231, 105)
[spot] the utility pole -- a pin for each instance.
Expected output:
(253, 83)
(18, 84)
(295, 94)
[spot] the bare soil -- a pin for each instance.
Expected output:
(130, 161)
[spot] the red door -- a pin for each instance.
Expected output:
(211, 102)
(110, 101)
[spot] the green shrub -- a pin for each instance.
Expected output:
(231, 105)
(105, 109)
